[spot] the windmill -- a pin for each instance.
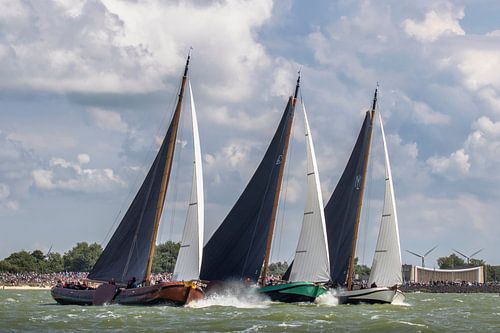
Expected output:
(469, 257)
(422, 256)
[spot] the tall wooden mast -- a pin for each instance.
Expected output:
(293, 100)
(166, 171)
(350, 270)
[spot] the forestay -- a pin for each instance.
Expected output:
(311, 261)
(188, 262)
(386, 266)
(126, 255)
(237, 248)
(340, 211)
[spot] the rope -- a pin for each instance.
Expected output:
(176, 169)
(136, 182)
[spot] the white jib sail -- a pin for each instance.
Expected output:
(311, 261)
(386, 266)
(188, 262)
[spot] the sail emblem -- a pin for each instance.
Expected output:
(357, 182)
(278, 161)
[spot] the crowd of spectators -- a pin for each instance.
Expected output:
(452, 287)
(49, 280)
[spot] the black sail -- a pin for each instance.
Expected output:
(126, 254)
(340, 211)
(236, 250)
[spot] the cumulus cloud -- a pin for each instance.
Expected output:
(443, 20)
(104, 46)
(83, 158)
(108, 120)
(457, 164)
(425, 115)
(70, 176)
(16, 163)
(479, 157)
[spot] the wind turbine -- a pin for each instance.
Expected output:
(469, 257)
(422, 256)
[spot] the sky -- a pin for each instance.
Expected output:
(87, 88)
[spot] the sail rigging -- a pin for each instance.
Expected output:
(187, 266)
(386, 266)
(343, 208)
(130, 251)
(311, 262)
(239, 246)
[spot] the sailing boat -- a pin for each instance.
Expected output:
(129, 254)
(342, 214)
(239, 249)
(311, 265)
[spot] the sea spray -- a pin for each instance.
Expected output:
(327, 299)
(234, 294)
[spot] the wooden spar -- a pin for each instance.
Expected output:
(350, 269)
(278, 190)
(166, 173)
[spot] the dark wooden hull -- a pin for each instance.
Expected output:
(176, 293)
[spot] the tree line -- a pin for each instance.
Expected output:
(82, 257)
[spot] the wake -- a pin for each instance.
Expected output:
(327, 299)
(233, 294)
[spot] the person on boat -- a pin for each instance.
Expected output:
(373, 285)
(112, 281)
(270, 281)
(132, 283)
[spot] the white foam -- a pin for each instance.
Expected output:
(288, 325)
(327, 299)
(411, 324)
(226, 300)
(235, 295)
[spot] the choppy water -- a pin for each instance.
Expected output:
(36, 311)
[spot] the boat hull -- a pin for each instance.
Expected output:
(293, 292)
(380, 295)
(176, 293)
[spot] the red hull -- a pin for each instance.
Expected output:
(177, 293)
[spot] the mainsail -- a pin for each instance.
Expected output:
(341, 211)
(311, 261)
(386, 266)
(187, 266)
(237, 248)
(129, 253)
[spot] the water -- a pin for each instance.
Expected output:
(36, 311)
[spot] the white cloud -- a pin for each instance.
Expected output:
(238, 119)
(83, 158)
(69, 176)
(479, 65)
(6, 203)
(457, 164)
(16, 163)
(108, 120)
(425, 115)
(124, 46)
(479, 157)
(437, 22)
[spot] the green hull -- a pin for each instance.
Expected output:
(293, 292)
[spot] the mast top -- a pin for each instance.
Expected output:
(187, 62)
(375, 99)
(297, 86)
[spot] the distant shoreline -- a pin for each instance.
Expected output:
(451, 289)
(24, 287)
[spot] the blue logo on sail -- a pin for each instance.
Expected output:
(357, 182)
(278, 161)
